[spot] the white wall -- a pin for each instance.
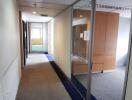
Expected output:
(122, 41)
(51, 37)
(62, 41)
(9, 50)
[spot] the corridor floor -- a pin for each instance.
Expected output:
(40, 82)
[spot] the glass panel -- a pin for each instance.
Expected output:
(110, 49)
(82, 46)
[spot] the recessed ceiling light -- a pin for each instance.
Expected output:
(34, 12)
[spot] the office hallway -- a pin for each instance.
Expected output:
(40, 82)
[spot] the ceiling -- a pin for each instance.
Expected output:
(85, 4)
(53, 7)
(46, 7)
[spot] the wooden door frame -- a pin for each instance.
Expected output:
(21, 39)
(22, 24)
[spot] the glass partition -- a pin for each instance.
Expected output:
(100, 48)
(110, 49)
(82, 26)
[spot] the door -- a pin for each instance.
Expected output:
(25, 41)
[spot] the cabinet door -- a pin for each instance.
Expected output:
(97, 67)
(111, 40)
(99, 34)
(99, 41)
(109, 62)
(111, 34)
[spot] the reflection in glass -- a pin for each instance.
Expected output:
(81, 39)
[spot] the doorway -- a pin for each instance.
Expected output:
(38, 37)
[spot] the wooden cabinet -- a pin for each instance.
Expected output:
(105, 41)
(99, 34)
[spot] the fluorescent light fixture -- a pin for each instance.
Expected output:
(34, 12)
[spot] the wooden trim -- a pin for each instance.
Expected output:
(21, 39)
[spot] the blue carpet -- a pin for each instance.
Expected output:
(75, 95)
(50, 58)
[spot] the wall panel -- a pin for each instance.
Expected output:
(62, 41)
(10, 49)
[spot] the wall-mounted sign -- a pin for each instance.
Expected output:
(87, 35)
(81, 35)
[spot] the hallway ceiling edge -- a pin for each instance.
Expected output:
(46, 7)
(53, 7)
